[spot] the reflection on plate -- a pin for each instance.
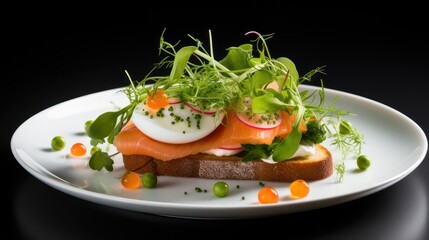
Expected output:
(395, 144)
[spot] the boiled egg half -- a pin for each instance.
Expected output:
(176, 123)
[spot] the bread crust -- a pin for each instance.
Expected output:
(311, 168)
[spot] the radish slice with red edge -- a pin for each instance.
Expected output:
(174, 101)
(254, 121)
(274, 85)
(208, 112)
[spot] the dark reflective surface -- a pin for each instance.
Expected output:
(399, 212)
(381, 58)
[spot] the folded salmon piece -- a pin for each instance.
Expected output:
(131, 141)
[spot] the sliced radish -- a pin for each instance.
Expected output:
(174, 101)
(274, 85)
(256, 122)
(208, 112)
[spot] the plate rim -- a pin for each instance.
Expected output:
(192, 208)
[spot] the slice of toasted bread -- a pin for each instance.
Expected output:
(311, 168)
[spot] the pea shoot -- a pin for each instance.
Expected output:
(87, 124)
(197, 77)
(94, 149)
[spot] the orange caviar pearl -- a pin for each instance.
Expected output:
(130, 180)
(78, 149)
(157, 100)
(299, 188)
(268, 194)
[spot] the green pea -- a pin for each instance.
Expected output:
(363, 162)
(220, 189)
(345, 127)
(149, 180)
(58, 143)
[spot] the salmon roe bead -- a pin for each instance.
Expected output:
(299, 188)
(130, 180)
(268, 194)
(78, 149)
(157, 100)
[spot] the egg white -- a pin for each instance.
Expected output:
(162, 129)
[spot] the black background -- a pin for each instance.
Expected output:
(381, 55)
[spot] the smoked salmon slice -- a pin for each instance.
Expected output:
(131, 141)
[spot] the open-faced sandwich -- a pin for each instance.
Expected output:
(239, 117)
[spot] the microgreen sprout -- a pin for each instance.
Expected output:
(198, 78)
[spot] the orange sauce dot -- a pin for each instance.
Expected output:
(299, 188)
(130, 180)
(78, 149)
(268, 194)
(157, 100)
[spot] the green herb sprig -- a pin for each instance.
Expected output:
(197, 77)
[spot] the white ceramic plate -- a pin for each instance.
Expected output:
(394, 142)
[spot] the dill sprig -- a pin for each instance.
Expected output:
(347, 142)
